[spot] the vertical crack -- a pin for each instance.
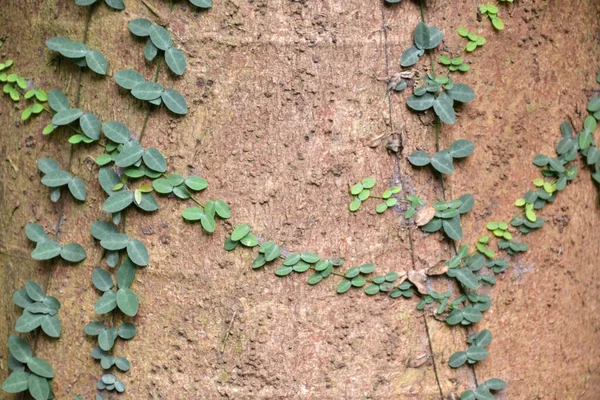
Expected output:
(397, 178)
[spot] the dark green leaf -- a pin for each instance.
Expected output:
(140, 27)
(106, 304)
(147, 90)
(40, 367)
(56, 178)
(410, 57)
(118, 201)
(73, 252)
(97, 62)
(19, 348)
(127, 302)
(175, 60)
(419, 158)
(444, 110)
(77, 188)
(461, 92)
(46, 250)
(420, 103)
(461, 148)
(116, 131)
(128, 78)
(175, 101)
(442, 162)
(16, 382)
(421, 36)
(51, 325)
(39, 388)
(155, 160)
(160, 37)
(138, 253)
(457, 359)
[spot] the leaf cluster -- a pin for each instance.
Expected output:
(425, 38)
(38, 96)
(152, 92)
(39, 310)
(64, 115)
(476, 352)
(393, 284)
(442, 161)
(80, 53)
(110, 382)
(158, 39)
(362, 191)
(447, 216)
(55, 178)
(180, 186)
(206, 214)
(440, 93)
(47, 249)
(107, 360)
(120, 197)
(29, 373)
(491, 11)
(454, 64)
(106, 339)
(474, 40)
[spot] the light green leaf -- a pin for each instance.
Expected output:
(162, 186)
(222, 209)
(16, 382)
(239, 232)
(155, 160)
(106, 304)
(344, 286)
(77, 188)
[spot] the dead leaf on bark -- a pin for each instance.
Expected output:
(419, 360)
(418, 278)
(394, 143)
(424, 215)
(375, 140)
(438, 269)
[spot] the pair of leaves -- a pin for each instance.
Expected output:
(120, 200)
(483, 391)
(206, 215)
(443, 160)
(158, 39)
(79, 53)
(180, 186)
(454, 64)
(425, 38)
(302, 262)
(112, 240)
(152, 92)
(47, 248)
(443, 103)
(107, 361)
(38, 310)
(54, 177)
(36, 380)
(241, 234)
(114, 4)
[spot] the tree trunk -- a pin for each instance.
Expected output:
(283, 96)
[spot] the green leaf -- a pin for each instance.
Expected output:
(138, 253)
(56, 178)
(106, 338)
(372, 289)
(97, 62)
(118, 201)
(51, 325)
(343, 286)
(125, 274)
(162, 186)
(47, 165)
(444, 109)
(39, 388)
(192, 214)
(461, 92)
(127, 302)
(381, 208)
(128, 79)
(585, 140)
(175, 60)
(461, 148)
(116, 131)
(457, 359)
(160, 37)
(90, 125)
(175, 101)
(73, 49)
(421, 36)
(34, 291)
(35, 232)
(202, 3)
(355, 204)
(56, 43)
(147, 90)
(497, 23)
(314, 279)
(123, 364)
(249, 240)
(140, 27)
(28, 322)
(208, 223)
(102, 280)
(411, 56)
(16, 382)
(155, 160)
(222, 209)
(65, 117)
(477, 353)
(442, 162)
(19, 348)
(284, 270)
(40, 367)
(22, 299)
(419, 158)
(495, 384)
(239, 232)
(132, 152)
(420, 103)
(484, 338)
(77, 188)
(310, 258)
(127, 331)
(471, 314)
(150, 50)
(73, 252)
(196, 183)
(46, 250)
(106, 304)
(435, 37)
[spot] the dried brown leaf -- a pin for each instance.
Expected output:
(424, 215)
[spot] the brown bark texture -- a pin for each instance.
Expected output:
(283, 95)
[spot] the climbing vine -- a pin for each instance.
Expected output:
(129, 174)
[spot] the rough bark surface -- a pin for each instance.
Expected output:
(283, 95)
